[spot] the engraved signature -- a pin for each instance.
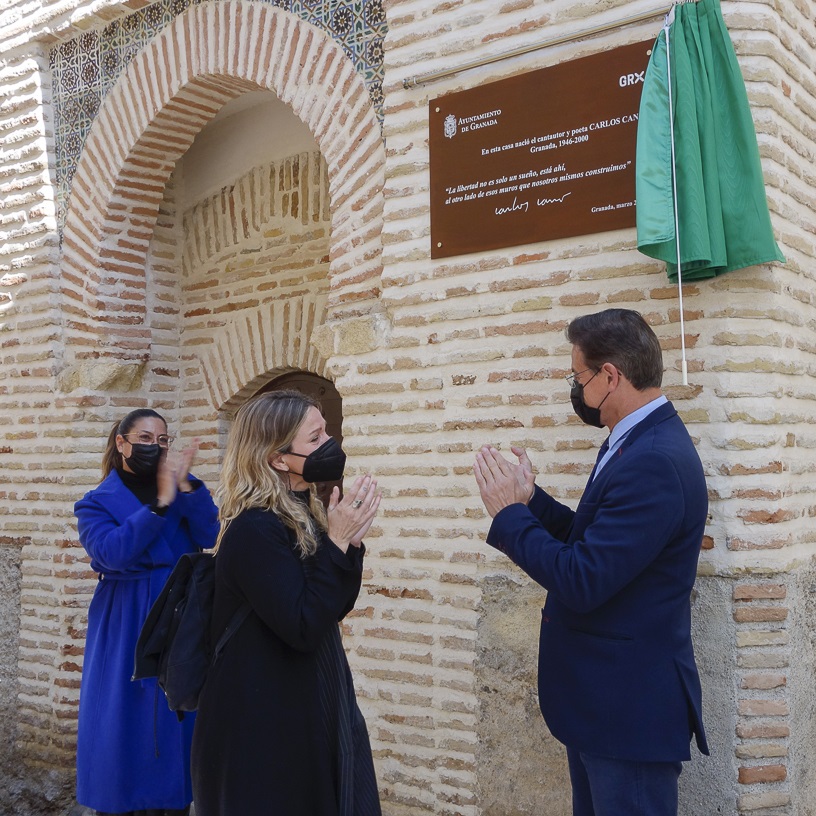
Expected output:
(542, 202)
(513, 208)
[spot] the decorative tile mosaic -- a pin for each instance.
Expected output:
(85, 68)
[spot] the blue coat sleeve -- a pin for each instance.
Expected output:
(613, 539)
(555, 517)
(298, 600)
(115, 547)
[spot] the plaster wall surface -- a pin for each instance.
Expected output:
(523, 769)
(255, 129)
(9, 639)
(706, 784)
(802, 689)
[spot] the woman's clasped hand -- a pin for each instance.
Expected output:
(350, 517)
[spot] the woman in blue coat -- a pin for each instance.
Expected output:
(133, 755)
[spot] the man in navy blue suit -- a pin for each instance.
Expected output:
(618, 683)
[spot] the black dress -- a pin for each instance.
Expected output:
(278, 728)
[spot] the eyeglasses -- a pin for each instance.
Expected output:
(570, 378)
(145, 438)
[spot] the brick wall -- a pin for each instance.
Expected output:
(96, 329)
(489, 329)
(35, 430)
(325, 265)
(256, 262)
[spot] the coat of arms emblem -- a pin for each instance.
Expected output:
(450, 126)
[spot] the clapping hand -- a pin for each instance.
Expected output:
(502, 483)
(351, 517)
(174, 472)
(184, 460)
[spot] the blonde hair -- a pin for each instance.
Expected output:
(265, 426)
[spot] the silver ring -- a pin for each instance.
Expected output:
(357, 503)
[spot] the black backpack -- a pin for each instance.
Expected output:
(174, 644)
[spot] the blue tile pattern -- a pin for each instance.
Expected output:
(85, 68)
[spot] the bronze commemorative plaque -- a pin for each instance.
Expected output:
(542, 155)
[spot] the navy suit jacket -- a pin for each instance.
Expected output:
(617, 675)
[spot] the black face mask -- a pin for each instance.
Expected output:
(591, 416)
(144, 459)
(326, 464)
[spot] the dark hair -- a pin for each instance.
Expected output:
(112, 458)
(621, 337)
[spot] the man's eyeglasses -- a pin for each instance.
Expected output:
(145, 438)
(570, 378)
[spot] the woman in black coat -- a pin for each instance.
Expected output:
(278, 727)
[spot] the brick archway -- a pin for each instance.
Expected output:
(232, 375)
(209, 55)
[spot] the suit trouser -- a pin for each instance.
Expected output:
(617, 787)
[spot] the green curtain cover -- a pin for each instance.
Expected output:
(723, 216)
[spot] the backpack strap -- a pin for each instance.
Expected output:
(235, 622)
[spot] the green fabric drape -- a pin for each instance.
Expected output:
(723, 216)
